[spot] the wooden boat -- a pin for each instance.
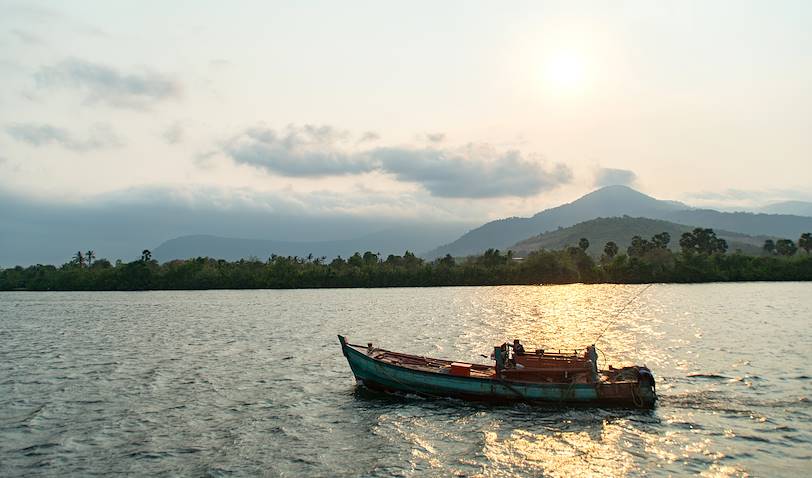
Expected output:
(544, 377)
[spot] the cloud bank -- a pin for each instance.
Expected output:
(435, 137)
(473, 171)
(123, 223)
(101, 137)
(174, 133)
(27, 37)
(308, 151)
(105, 84)
(614, 177)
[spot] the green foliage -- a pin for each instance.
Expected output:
(769, 246)
(78, 259)
(805, 241)
(704, 260)
(610, 250)
(639, 247)
(702, 241)
(661, 240)
(785, 247)
(621, 230)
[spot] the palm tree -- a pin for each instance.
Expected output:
(146, 256)
(805, 242)
(785, 247)
(769, 246)
(583, 244)
(610, 249)
(90, 256)
(661, 240)
(79, 259)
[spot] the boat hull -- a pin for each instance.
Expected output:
(378, 375)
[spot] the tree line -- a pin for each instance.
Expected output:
(703, 257)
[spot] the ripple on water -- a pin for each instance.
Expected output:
(252, 382)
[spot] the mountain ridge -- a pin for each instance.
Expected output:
(795, 208)
(614, 201)
(388, 241)
(620, 230)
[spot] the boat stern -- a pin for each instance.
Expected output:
(628, 386)
(647, 387)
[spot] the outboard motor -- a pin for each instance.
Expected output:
(646, 378)
(645, 394)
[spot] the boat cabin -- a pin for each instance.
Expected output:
(547, 366)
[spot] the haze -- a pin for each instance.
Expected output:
(320, 120)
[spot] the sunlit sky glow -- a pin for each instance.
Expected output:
(565, 71)
(468, 110)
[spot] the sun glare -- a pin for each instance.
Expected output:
(565, 71)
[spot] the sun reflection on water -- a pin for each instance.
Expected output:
(567, 318)
(677, 331)
(558, 454)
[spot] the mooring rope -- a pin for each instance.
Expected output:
(617, 314)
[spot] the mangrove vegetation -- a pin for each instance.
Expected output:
(702, 257)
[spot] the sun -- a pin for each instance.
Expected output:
(565, 71)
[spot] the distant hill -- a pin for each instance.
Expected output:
(779, 225)
(621, 230)
(614, 201)
(797, 208)
(605, 202)
(390, 241)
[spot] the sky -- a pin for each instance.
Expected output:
(415, 111)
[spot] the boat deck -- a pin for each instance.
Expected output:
(549, 368)
(426, 364)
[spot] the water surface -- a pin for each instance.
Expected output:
(252, 383)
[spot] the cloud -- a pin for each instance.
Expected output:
(614, 177)
(105, 84)
(730, 194)
(732, 197)
(173, 134)
(219, 63)
(123, 223)
(206, 159)
(32, 12)
(307, 151)
(474, 171)
(369, 136)
(101, 137)
(435, 137)
(27, 37)
(48, 19)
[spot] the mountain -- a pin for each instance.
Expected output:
(779, 225)
(390, 241)
(614, 201)
(621, 230)
(122, 225)
(797, 208)
(605, 202)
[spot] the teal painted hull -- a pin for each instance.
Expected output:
(379, 375)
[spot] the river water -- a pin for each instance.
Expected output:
(248, 383)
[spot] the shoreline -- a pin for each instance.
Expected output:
(550, 284)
